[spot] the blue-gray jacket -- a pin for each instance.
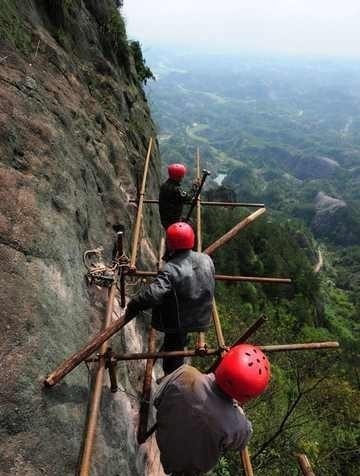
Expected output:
(181, 295)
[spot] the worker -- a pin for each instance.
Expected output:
(181, 295)
(199, 416)
(172, 197)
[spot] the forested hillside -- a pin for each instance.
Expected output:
(284, 133)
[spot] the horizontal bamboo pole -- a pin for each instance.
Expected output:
(234, 231)
(160, 355)
(195, 353)
(224, 277)
(213, 204)
(307, 346)
(254, 279)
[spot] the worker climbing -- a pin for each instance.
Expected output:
(172, 197)
(181, 295)
(205, 410)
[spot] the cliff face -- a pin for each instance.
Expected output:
(74, 129)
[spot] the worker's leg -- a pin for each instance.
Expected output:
(173, 342)
(186, 473)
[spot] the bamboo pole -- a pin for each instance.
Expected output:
(245, 458)
(198, 205)
(94, 405)
(75, 359)
(195, 353)
(69, 364)
(234, 231)
(211, 204)
(135, 241)
(146, 393)
(305, 465)
(162, 354)
(224, 277)
(254, 279)
(218, 330)
(249, 331)
(307, 346)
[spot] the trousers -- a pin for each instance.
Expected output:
(171, 343)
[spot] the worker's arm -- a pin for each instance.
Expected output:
(152, 295)
(239, 435)
(187, 197)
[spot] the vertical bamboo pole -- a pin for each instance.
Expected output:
(215, 315)
(245, 458)
(146, 393)
(218, 330)
(94, 405)
(305, 465)
(90, 430)
(198, 205)
(135, 241)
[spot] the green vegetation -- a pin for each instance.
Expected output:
(312, 405)
(114, 32)
(143, 71)
(12, 27)
(282, 131)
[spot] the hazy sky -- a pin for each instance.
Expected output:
(328, 27)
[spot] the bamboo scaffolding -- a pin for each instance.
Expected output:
(305, 465)
(146, 393)
(224, 277)
(75, 359)
(99, 341)
(211, 204)
(250, 330)
(245, 458)
(234, 231)
(209, 352)
(135, 241)
(198, 206)
(306, 346)
(218, 330)
(244, 337)
(95, 400)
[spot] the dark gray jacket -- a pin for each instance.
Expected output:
(196, 421)
(181, 295)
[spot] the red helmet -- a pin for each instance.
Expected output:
(176, 171)
(243, 373)
(180, 236)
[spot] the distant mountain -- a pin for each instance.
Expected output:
(282, 130)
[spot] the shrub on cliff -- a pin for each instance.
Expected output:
(143, 71)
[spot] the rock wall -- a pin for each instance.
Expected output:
(74, 130)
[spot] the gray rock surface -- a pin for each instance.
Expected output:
(74, 130)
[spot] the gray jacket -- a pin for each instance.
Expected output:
(181, 294)
(196, 421)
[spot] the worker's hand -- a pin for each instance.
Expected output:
(131, 311)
